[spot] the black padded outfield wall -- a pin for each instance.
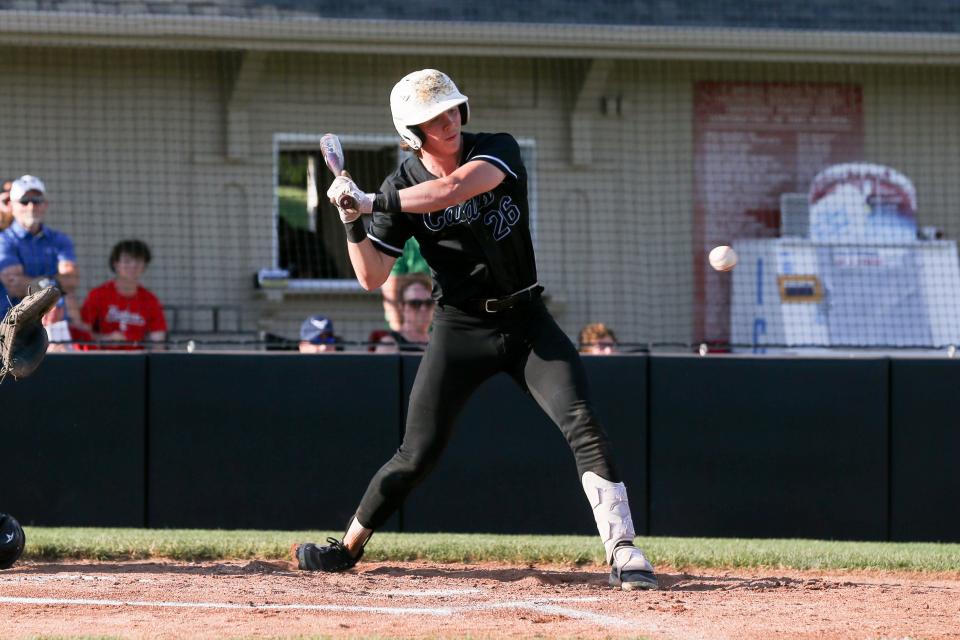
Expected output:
(925, 450)
(278, 441)
(769, 447)
(817, 448)
(73, 442)
(508, 469)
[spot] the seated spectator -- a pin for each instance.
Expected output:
(121, 309)
(316, 335)
(6, 212)
(392, 303)
(30, 250)
(597, 338)
(373, 340)
(417, 307)
(410, 264)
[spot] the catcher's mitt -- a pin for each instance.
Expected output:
(23, 339)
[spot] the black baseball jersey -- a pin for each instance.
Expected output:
(476, 249)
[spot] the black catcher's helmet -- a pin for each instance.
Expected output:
(12, 540)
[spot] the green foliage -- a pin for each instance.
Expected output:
(292, 171)
(293, 206)
(193, 545)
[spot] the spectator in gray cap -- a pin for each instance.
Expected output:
(316, 335)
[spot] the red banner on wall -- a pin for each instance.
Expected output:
(753, 142)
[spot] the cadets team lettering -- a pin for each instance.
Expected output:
(500, 216)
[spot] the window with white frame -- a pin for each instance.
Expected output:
(309, 239)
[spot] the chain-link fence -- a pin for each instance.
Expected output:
(821, 140)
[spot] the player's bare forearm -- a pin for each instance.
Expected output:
(68, 276)
(372, 267)
(470, 180)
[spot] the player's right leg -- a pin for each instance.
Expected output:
(554, 375)
(461, 356)
(629, 567)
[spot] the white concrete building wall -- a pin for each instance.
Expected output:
(175, 147)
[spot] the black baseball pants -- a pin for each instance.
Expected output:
(465, 350)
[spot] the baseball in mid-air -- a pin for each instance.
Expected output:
(723, 258)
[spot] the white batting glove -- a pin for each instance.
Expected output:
(345, 188)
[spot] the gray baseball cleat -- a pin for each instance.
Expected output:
(631, 570)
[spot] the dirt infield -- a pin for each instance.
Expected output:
(416, 600)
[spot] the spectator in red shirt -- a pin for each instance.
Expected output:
(121, 310)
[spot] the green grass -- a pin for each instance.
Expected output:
(293, 206)
(191, 545)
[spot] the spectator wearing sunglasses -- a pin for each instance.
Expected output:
(31, 251)
(6, 212)
(416, 315)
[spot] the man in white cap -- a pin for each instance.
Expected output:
(29, 250)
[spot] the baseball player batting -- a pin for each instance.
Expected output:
(463, 196)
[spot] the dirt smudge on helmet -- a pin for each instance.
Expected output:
(432, 86)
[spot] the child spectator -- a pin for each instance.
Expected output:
(597, 338)
(121, 310)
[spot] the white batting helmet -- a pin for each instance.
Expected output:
(420, 96)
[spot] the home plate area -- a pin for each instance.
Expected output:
(420, 600)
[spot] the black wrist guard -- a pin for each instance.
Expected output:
(356, 232)
(387, 201)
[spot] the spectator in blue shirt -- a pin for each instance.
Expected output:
(30, 250)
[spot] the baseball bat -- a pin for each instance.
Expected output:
(333, 157)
